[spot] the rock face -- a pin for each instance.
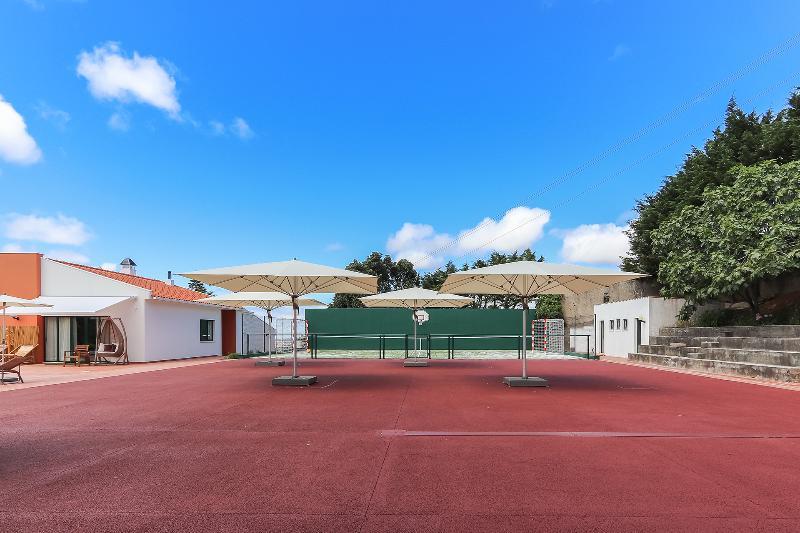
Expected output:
(769, 352)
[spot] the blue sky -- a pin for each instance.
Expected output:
(194, 137)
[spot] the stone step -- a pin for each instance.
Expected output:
(662, 349)
(785, 344)
(709, 344)
(767, 357)
(773, 372)
(689, 341)
(734, 331)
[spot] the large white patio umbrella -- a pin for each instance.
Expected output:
(528, 279)
(267, 301)
(6, 302)
(295, 279)
(415, 299)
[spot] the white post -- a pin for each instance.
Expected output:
(524, 330)
(269, 333)
(294, 336)
(414, 316)
(3, 341)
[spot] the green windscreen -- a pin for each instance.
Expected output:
(456, 322)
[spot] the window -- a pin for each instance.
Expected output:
(618, 324)
(625, 324)
(206, 330)
(611, 323)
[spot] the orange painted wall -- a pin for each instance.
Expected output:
(228, 340)
(21, 276)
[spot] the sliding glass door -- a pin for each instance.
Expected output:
(62, 333)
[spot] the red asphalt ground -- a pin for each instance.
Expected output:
(217, 448)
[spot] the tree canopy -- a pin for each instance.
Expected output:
(738, 235)
(392, 276)
(402, 275)
(199, 286)
(746, 139)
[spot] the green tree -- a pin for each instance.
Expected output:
(199, 286)
(392, 276)
(746, 139)
(435, 279)
(739, 235)
(549, 306)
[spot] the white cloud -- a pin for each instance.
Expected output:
(112, 76)
(16, 144)
(217, 127)
(119, 121)
(334, 247)
(112, 267)
(70, 256)
(59, 229)
(518, 229)
(619, 52)
(595, 243)
(56, 116)
(12, 247)
(241, 128)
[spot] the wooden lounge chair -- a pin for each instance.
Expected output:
(80, 353)
(12, 364)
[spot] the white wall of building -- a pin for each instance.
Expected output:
(172, 330)
(257, 328)
(59, 279)
(621, 340)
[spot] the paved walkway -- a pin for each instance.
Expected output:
(378, 447)
(51, 374)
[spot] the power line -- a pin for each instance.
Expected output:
(631, 166)
(761, 60)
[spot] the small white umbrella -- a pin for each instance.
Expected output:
(528, 279)
(415, 298)
(294, 278)
(7, 302)
(268, 301)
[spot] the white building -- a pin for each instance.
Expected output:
(620, 326)
(161, 320)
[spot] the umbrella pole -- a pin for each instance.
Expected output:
(524, 329)
(3, 342)
(269, 334)
(294, 336)
(414, 316)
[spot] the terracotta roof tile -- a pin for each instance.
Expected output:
(157, 288)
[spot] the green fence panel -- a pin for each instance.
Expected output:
(398, 322)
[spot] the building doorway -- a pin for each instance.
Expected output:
(63, 333)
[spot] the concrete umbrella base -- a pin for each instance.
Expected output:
(271, 362)
(292, 381)
(415, 362)
(525, 382)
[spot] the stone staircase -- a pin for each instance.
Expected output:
(770, 352)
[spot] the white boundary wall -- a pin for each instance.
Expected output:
(655, 312)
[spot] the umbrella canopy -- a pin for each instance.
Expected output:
(263, 300)
(6, 302)
(531, 278)
(294, 278)
(415, 298)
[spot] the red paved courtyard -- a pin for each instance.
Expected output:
(378, 447)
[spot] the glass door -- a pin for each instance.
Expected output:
(60, 335)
